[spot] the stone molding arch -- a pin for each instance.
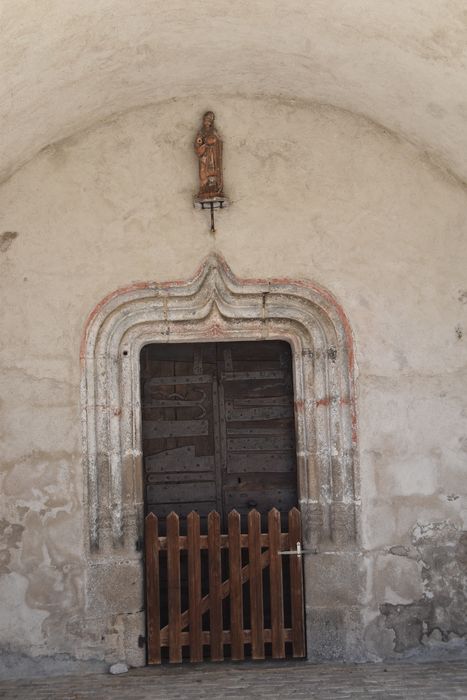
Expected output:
(215, 305)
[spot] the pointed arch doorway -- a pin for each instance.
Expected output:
(215, 306)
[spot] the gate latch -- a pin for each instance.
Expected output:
(297, 552)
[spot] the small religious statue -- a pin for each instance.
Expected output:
(208, 148)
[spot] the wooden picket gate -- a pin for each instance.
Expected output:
(245, 557)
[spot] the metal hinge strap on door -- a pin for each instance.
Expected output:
(297, 552)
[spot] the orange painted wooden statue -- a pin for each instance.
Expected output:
(208, 148)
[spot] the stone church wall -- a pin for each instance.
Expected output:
(317, 194)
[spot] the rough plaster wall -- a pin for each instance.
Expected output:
(316, 193)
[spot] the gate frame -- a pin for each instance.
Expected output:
(216, 306)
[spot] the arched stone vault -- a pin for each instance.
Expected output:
(217, 305)
(401, 65)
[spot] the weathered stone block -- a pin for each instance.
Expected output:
(334, 579)
(334, 634)
(115, 586)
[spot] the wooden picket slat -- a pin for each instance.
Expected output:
(186, 628)
(215, 584)
(276, 585)
(152, 588)
(174, 589)
(296, 586)
(256, 585)
(194, 587)
(236, 594)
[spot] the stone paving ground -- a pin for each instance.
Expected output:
(249, 680)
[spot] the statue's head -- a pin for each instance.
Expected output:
(208, 119)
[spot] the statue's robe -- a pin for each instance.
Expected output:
(208, 147)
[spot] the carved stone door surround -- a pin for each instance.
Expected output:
(217, 306)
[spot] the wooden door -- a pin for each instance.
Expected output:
(257, 427)
(218, 429)
(181, 443)
(218, 442)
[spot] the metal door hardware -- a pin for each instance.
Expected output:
(297, 552)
